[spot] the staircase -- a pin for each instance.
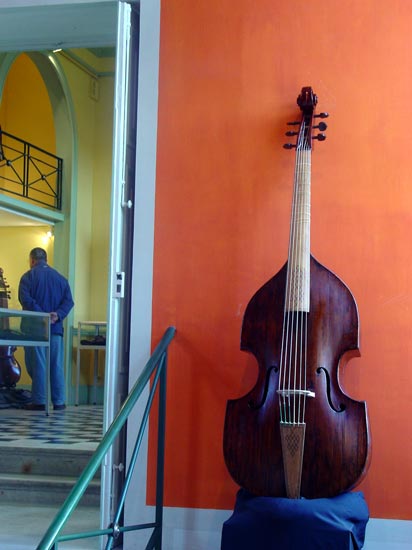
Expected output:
(43, 475)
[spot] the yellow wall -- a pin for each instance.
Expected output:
(25, 111)
(94, 132)
(101, 201)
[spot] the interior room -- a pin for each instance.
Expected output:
(26, 113)
(217, 90)
(33, 136)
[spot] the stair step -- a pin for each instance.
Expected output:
(44, 489)
(28, 460)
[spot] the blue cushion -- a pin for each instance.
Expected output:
(266, 523)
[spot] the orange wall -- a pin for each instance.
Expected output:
(230, 73)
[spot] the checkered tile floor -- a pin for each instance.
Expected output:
(74, 428)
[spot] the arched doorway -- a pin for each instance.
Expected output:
(36, 108)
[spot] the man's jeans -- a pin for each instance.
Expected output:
(35, 358)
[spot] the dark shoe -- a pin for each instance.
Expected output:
(59, 407)
(96, 341)
(34, 407)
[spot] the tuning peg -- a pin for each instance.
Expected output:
(296, 123)
(289, 146)
(321, 126)
(290, 133)
(322, 115)
(320, 137)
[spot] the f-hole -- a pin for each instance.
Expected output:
(259, 405)
(341, 407)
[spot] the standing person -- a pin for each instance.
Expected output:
(44, 289)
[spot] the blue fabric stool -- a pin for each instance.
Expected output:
(266, 523)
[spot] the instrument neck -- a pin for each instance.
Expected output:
(298, 275)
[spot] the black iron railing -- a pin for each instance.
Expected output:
(30, 172)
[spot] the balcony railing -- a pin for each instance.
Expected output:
(30, 172)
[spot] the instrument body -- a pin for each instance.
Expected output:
(10, 370)
(337, 441)
(296, 433)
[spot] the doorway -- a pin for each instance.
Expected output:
(84, 133)
(93, 25)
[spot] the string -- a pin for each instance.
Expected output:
(293, 359)
(284, 355)
(288, 318)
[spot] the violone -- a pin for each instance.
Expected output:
(10, 370)
(296, 433)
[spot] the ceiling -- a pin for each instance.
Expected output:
(103, 52)
(11, 219)
(45, 27)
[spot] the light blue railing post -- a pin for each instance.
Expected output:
(157, 362)
(133, 459)
(157, 533)
(161, 450)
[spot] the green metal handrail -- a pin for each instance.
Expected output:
(158, 363)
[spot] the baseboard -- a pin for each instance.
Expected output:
(388, 534)
(86, 395)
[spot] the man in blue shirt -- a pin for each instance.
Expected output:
(44, 289)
